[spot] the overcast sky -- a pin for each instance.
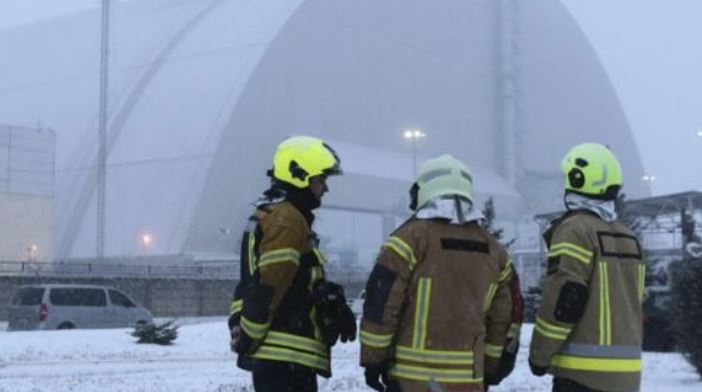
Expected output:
(651, 50)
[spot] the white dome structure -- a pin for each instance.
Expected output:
(201, 92)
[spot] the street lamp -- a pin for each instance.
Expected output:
(145, 241)
(413, 135)
(32, 252)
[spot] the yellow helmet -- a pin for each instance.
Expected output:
(300, 158)
(442, 176)
(592, 170)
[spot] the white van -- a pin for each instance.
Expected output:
(68, 306)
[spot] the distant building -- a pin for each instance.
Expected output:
(202, 91)
(26, 194)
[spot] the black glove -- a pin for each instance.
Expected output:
(244, 344)
(347, 323)
(377, 376)
(491, 379)
(537, 370)
(338, 319)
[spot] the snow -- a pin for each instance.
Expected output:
(110, 360)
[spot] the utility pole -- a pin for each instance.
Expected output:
(102, 126)
(508, 87)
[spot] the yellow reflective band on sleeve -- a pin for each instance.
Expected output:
(288, 355)
(402, 249)
(572, 247)
(421, 313)
(320, 256)
(441, 357)
(642, 281)
(251, 253)
(506, 272)
(376, 340)
(605, 311)
(606, 365)
(514, 330)
(550, 330)
(254, 329)
(449, 376)
(295, 342)
(493, 351)
(279, 256)
(492, 290)
(568, 252)
(236, 307)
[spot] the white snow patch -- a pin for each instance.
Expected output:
(110, 360)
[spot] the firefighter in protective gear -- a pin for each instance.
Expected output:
(437, 312)
(285, 315)
(588, 331)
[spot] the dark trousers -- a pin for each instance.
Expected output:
(393, 386)
(273, 376)
(561, 384)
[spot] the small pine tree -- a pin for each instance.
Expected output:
(163, 334)
(687, 310)
(489, 223)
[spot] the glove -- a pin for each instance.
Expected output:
(244, 344)
(339, 321)
(235, 335)
(492, 379)
(377, 377)
(537, 370)
(347, 323)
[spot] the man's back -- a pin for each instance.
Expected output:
(457, 308)
(589, 327)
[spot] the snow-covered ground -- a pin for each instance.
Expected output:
(109, 360)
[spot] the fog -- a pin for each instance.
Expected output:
(623, 74)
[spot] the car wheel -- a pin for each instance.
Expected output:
(66, 325)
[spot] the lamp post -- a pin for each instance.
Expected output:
(412, 136)
(32, 252)
(145, 241)
(102, 130)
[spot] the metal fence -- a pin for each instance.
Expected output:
(26, 268)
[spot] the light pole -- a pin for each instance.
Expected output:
(145, 241)
(102, 130)
(412, 136)
(32, 252)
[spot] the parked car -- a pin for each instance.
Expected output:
(67, 306)
(658, 335)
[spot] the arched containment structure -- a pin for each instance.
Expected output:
(202, 91)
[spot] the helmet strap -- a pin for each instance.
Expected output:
(414, 194)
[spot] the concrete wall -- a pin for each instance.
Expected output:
(163, 297)
(27, 229)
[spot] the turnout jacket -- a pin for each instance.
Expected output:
(438, 307)
(273, 302)
(589, 326)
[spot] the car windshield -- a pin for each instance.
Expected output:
(28, 296)
(119, 299)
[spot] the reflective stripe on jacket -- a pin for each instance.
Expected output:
(280, 266)
(601, 346)
(438, 305)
